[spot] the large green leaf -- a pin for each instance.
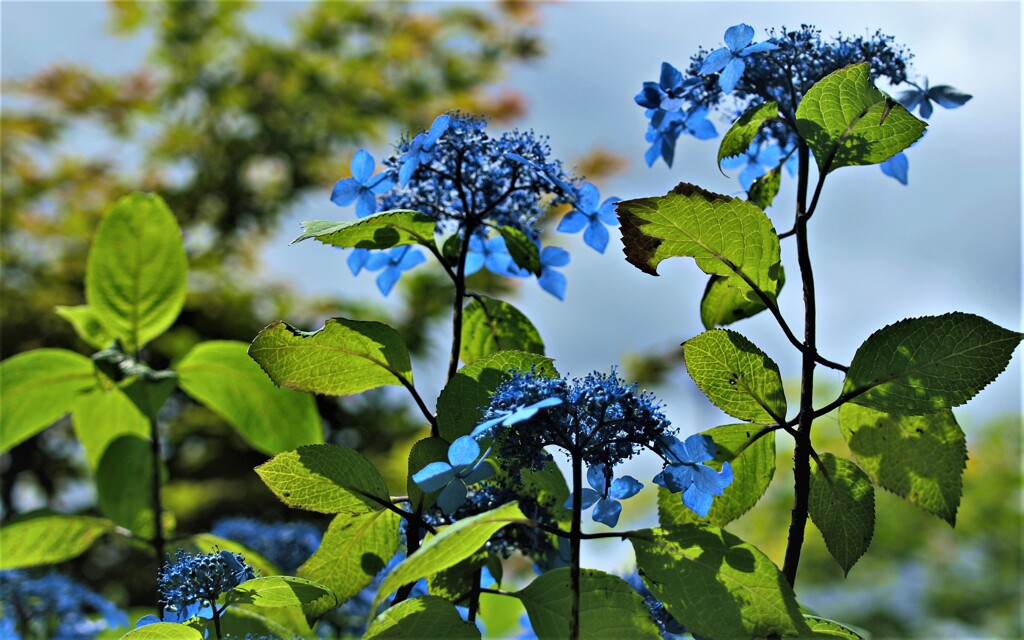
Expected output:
(86, 323)
(468, 393)
(842, 506)
(723, 304)
(48, 538)
(37, 388)
(919, 458)
(753, 466)
(524, 251)
(353, 550)
(164, 631)
(458, 580)
(736, 376)
(922, 365)
(137, 271)
(609, 607)
(284, 591)
(724, 235)
(426, 617)
(742, 132)
(101, 416)
(490, 325)
(220, 375)
(379, 231)
(124, 484)
(451, 545)
(846, 121)
(325, 478)
(342, 358)
(715, 584)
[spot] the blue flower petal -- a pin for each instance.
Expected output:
(731, 74)
(437, 129)
(366, 203)
(697, 501)
(345, 192)
(596, 236)
(553, 282)
(597, 478)
(671, 78)
(146, 620)
(716, 61)
(588, 197)
(624, 487)
(760, 47)
(897, 167)
(452, 497)
(362, 166)
(357, 260)
(677, 477)
(587, 499)
(607, 512)
(573, 222)
(699, 448)
(739, 36)
(434, 476)
(947, 96)
(554, 257)
(463, 452)
(482, 471)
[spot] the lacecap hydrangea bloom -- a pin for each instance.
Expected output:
(53, 606)
(286, 544)
(194, 581)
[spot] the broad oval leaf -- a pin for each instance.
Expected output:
(609, 607)
(846, 121)
(524, 251)
(919, 458)
(101, 416)
(325, 478)
(342, 358)
(378, 231)
(220, 375)
(922, 365)
(275, 592)
(742, 132)
(764, 189)
(137, 272)
(715, 584)
(86, 323)
(37, 388)
(736, 376)
(726, 236)
(124, 484)
(723, 304)
(842, 505)
(48, 538)
(490, 325)
(425, 617)
(164, 631)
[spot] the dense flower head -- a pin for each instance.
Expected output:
(286, 544)
(193, 581)
(53, 606)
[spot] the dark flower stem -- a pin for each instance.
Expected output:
(474, 596)
(574, 545)
(216, 621)
(460, 296)
(159, 540)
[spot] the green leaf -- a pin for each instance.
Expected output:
(842, 506)
(425, 617)
(284, 591)
(451, 545)
(150, 392)
(87, 325)
(726, 236)
(736, 376)
(137, 271)
(723, 304)
(458, 580)
(237, 621)
(742, 132)
(468, 393)
(753, 466)
(846, 121)
(124, 484)
(101, 416)
(919, 458)
(715, 584)
(353, 550)
(825, 628)
(490, 325)
(524, 251)
(48, 538)
(37, 388)
(220, 375)
(764, 189)
(423, 453)
(342, 358)
(379, 231)
(609, 607)
(209, 543)
(921, 365)
(163, 631)
(325, 478)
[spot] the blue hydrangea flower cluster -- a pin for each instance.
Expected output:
(53, 606)
(286, 544)
(780, 69)
(194, 581)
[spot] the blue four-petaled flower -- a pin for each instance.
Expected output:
(686, 472)
(591, 214)
(363, 187)
(393, 261)
(492, 253)
(605, 494)
(421, 149)
(669, 93)
(921, 98)
(730, 58)
(465, 466)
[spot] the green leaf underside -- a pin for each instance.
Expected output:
(468, 393)
(524, 251)
(450, 546)
(425, 617)
(124, 484)
(163, 631)
(239, 620)
(841, 118)
(209, 543)
(736, 376)
(137, 272)
(742, 132)
(764, 189)
(825, 628)
(423, 453)
(715, 584)
(752, 470)
(100, 417)
(353, 550)
(922, 365)
(379, 231)
(722, 234)
(284, 591)
(842, 506)
(86, 323)
(325, 478)
(609, 607)
(37, 388)
(344, 357)
(220, 375)
(48, 539)
(490, 325)
(457, 580)
(723, 304)
(919, 458)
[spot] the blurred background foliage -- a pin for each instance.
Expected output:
(233, 128)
